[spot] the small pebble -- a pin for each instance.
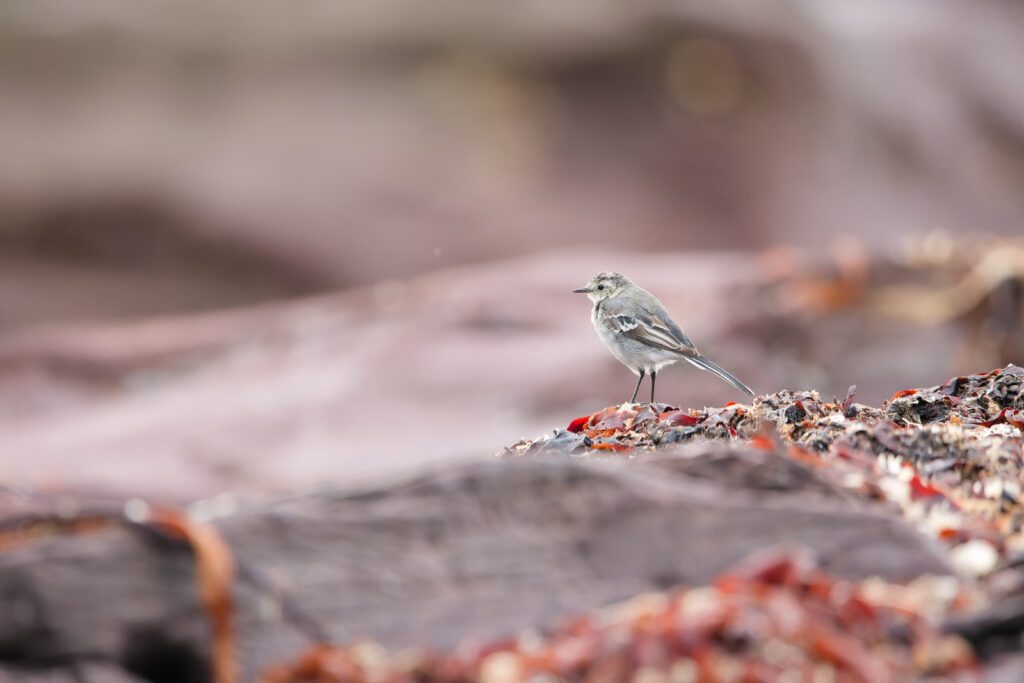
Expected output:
(501, 667)
(974, 558)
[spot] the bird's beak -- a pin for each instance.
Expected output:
(581, 290)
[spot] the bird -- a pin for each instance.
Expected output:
(640, 333)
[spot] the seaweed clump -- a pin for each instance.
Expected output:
(950, 457)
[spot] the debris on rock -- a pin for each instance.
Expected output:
(951, 456)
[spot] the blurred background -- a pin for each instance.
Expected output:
(248, 247)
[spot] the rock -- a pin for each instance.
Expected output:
(481, 549)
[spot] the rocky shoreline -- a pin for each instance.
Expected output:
(827, 537)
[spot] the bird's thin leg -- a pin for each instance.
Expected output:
(654, 373)
(642, 373)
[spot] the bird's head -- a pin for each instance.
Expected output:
(604, 285)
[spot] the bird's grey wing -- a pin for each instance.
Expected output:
(648, 328)
(660, 320)
(646, 320)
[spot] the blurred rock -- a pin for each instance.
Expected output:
(286, 395)
(346, 144)
(452, 364)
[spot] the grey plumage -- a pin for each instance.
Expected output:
(638, 330)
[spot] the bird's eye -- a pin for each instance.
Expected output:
(600, 286)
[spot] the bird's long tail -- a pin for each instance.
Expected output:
(705, 364)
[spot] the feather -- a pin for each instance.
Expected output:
(704, 364)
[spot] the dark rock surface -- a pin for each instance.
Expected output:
(478, 550)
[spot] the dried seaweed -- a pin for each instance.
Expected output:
(949, 456)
